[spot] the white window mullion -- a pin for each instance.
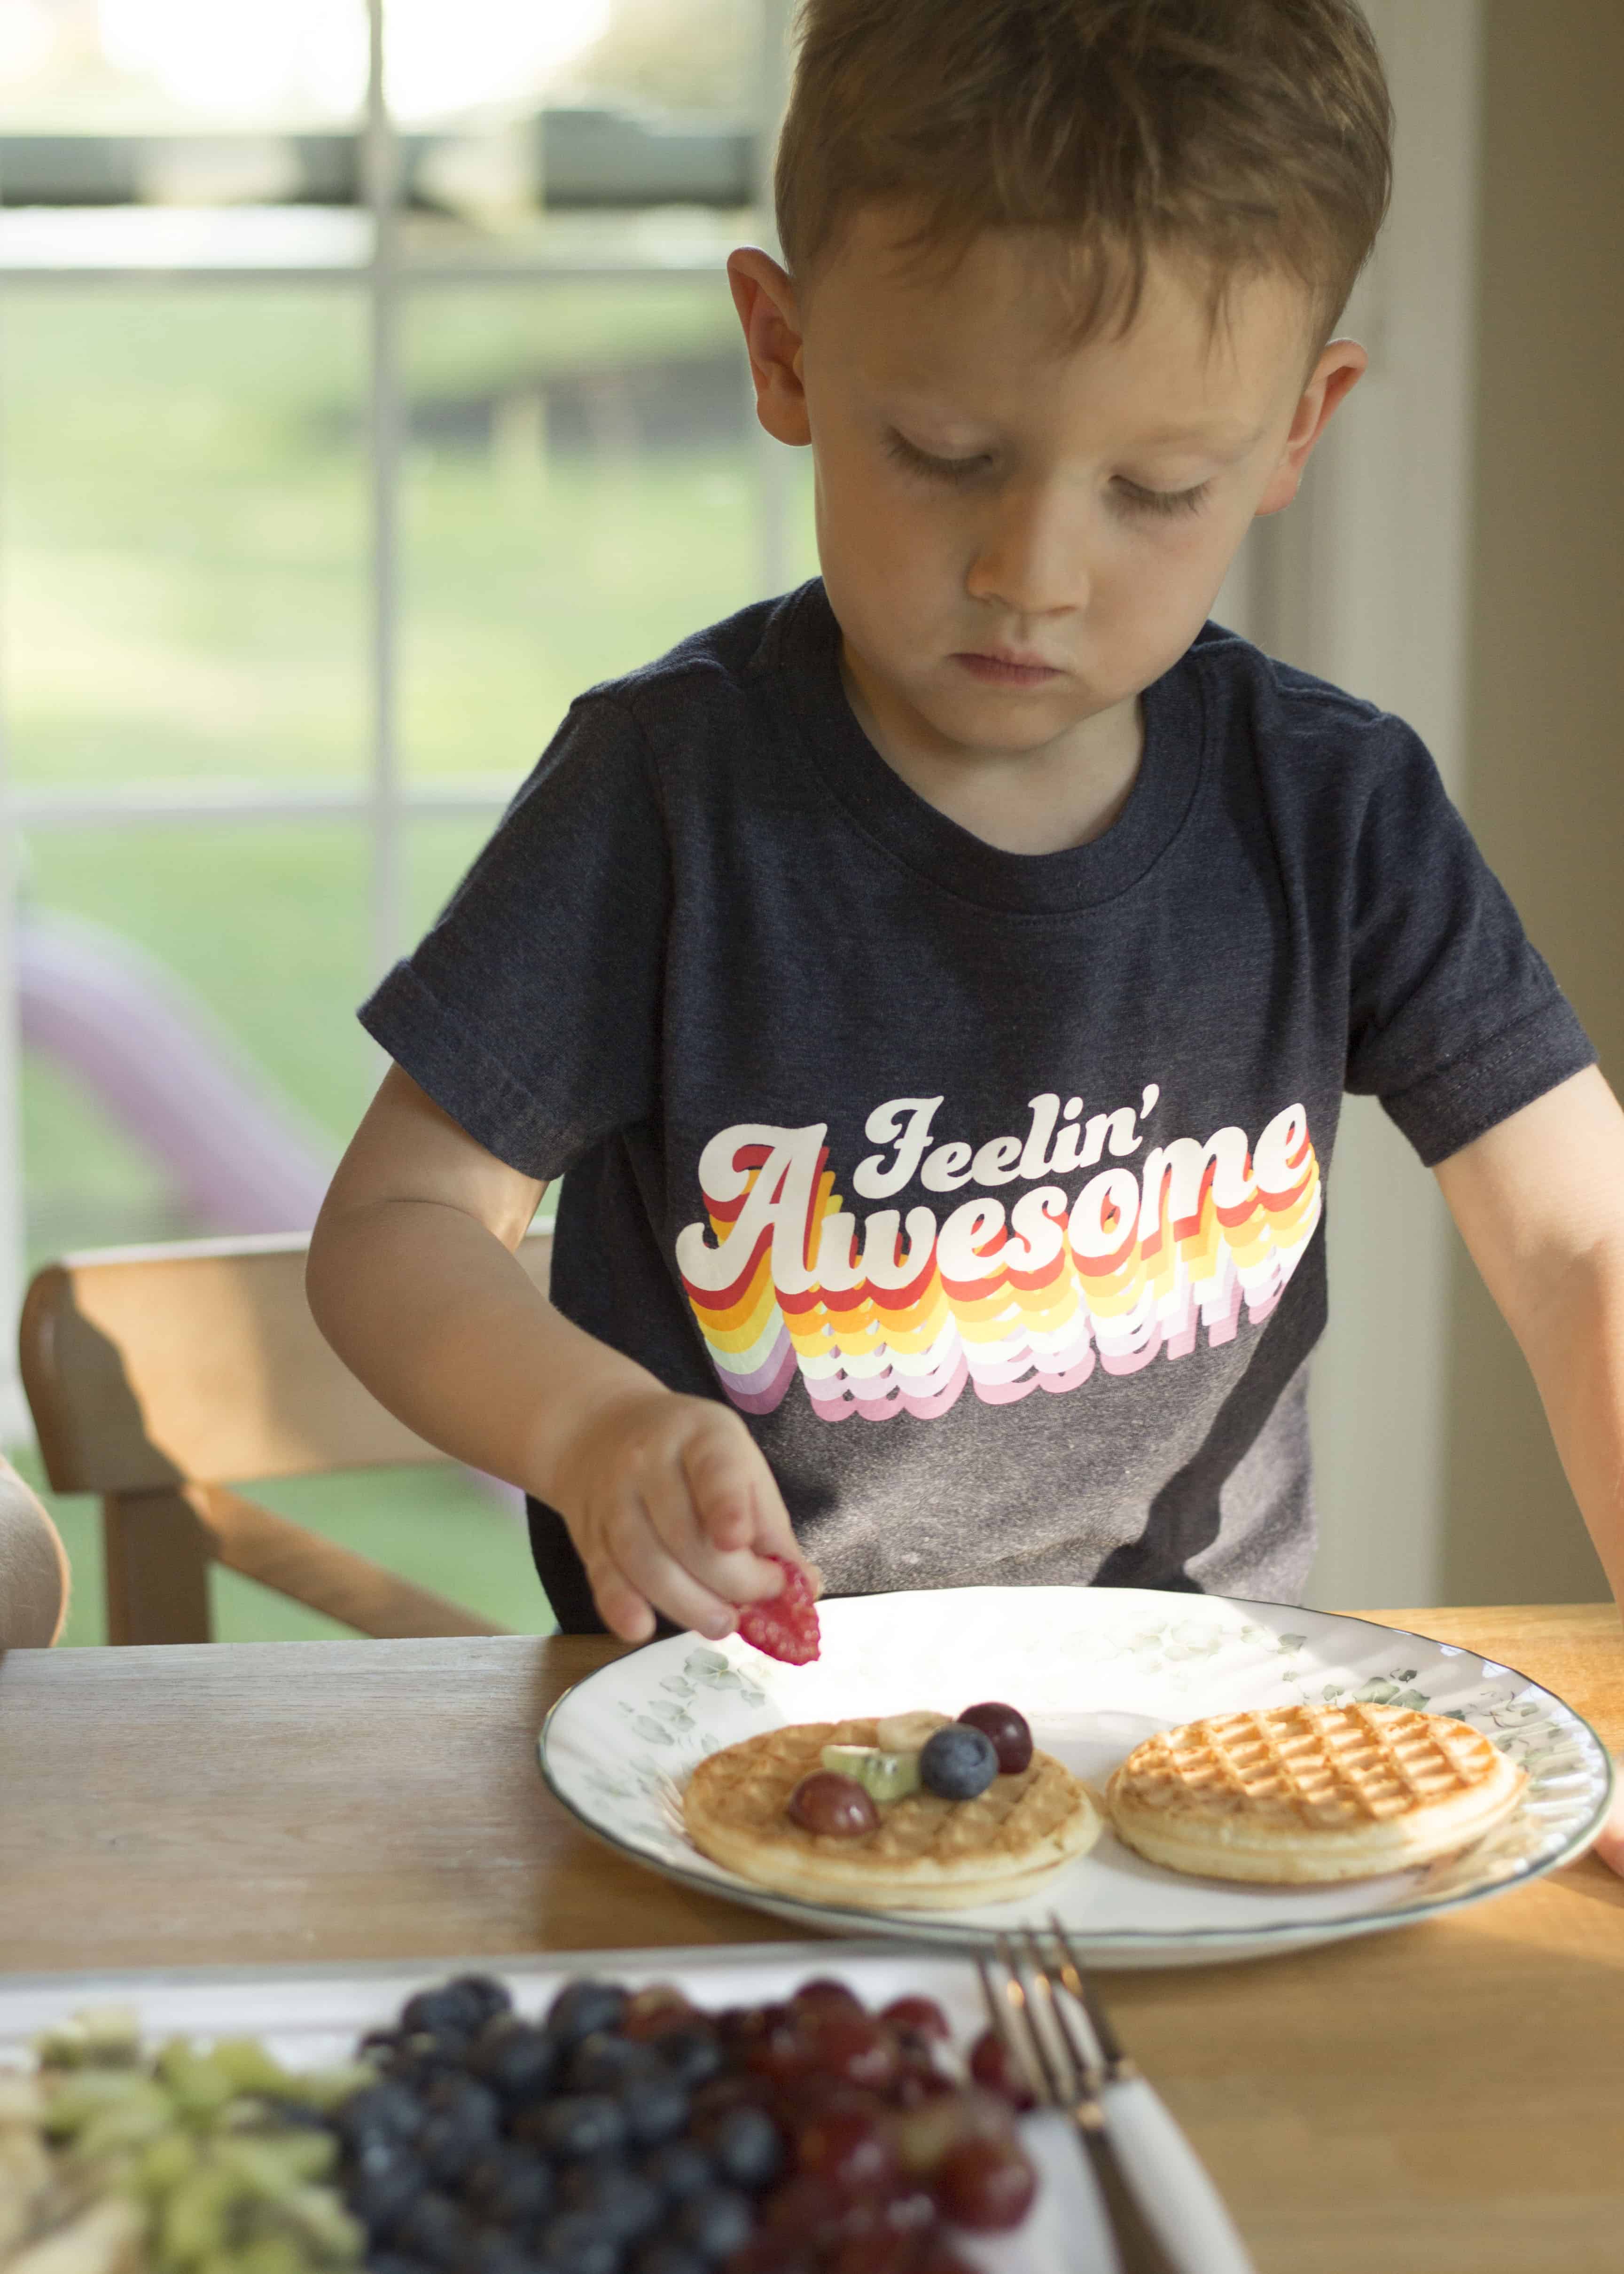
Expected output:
(382, 177)
(15, 1426)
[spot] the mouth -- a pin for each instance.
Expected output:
(998, 668)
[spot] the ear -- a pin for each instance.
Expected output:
(1342, 364)
(765, 299)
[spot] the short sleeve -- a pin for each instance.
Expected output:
(1455, 1021)
(531, 1014)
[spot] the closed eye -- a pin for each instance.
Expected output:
(1136, 500)
(954, 471)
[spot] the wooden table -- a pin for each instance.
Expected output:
(1448, 2097)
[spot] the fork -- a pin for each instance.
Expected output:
(1112, 2110)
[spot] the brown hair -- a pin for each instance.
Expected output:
(1247, 135)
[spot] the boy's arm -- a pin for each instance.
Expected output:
(1539, 1201)
(413, 1280)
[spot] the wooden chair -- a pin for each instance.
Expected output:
(159, 1376)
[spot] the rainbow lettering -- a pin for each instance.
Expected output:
(895, 1313)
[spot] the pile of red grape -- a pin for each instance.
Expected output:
(632, 2133)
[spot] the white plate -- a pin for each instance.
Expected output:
(1094, 1670)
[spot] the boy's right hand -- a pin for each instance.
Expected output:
(672, 1508)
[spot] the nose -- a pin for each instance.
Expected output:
(1032, 557)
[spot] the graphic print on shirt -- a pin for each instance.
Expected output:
(894, 1312)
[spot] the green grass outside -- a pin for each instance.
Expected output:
(184, 559)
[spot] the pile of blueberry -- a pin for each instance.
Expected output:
(631, 2133)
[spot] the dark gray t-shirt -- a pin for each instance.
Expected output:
(988, 1187)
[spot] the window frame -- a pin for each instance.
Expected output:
(386, 803)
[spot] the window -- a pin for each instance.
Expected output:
(368, 384)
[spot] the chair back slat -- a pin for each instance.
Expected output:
(199, 1362)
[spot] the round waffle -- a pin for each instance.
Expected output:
(1301, 1792)
(927, 1854)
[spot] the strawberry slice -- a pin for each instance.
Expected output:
(785, 1625)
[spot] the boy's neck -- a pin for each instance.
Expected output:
(1045, 799)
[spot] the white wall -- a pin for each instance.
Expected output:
(1365, 581)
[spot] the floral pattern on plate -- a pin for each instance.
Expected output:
(1094, 1670)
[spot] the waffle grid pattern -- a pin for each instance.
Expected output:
(745, 1789)
(1330, 1764)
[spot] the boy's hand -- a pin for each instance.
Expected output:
(672, 1508)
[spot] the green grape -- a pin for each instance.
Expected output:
(245, 2061)
(200, 2085)
(319, 2216)
(195, 2221)
(166, 2162)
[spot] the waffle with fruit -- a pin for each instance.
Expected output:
(1299, 1793)
(913, 1849)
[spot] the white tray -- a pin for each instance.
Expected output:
(310, 2017)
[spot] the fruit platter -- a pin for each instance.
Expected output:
(784, 2112)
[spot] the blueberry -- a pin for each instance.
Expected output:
(578, 2243)
(379, 2195)
(679, 2170)
(667, 2258)
(468, 2103)
(604, 2063)
(385, 2110)
(500, 2254)
(654, 2108)
(957, 1762)
(456, 2009)
(510, 2186)
(693, 2056)
(715, 2223)
(629, 2205)
(515, 2060)
(745, 2144)
(435, 2228)
(582, 2006)
(575, 2125)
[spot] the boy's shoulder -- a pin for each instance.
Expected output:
(1307, 739)
(734, 658)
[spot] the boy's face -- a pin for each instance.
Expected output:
(1019, 535)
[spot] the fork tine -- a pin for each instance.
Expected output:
(1003, 2002)
(1085, 2068)
(1118, 2066)
(1139, 2248)
(1026, 1974)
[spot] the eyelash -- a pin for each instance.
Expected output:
(956, 472)
(1163, 503)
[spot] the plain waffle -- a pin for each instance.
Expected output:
(927, 1854)
(1301, 1792)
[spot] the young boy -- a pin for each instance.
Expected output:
(939, 985)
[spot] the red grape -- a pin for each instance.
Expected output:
(651, 2012)
(1011, 1738)
(991, 2064)
(877, 2252)
(835, 1805)
(807, 2206)
(937, 2256)
(785, 2053)
(824, 1995)
(920, 2016)
(986, 2185)
(856, 2049)
(850, 2149)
